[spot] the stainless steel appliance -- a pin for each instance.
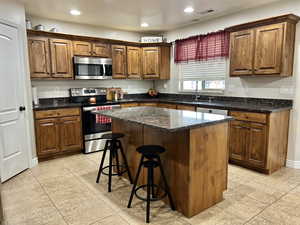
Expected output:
(92, 68)
(93, 127)
(213, 111)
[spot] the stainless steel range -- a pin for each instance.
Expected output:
(94, 126)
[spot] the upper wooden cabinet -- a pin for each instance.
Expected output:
(242, 52)
(50, 58)
(83, 48)
(61, 58)
(134, 62)
(264, 47)
(119, 61)
(39, 57)
(151, 62)
(156, 63)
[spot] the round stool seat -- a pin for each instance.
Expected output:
(151, 150)
(150, 164)
(113, 136)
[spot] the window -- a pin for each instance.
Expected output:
(203, 76)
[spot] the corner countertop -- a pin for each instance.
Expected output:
(228, 104)
(167, 119)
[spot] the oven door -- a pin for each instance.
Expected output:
(94, 129)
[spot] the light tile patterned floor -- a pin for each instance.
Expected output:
(63, 191)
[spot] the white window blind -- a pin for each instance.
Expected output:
(214, 69)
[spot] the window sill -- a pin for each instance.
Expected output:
(203, 92)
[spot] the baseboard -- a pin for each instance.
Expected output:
(34, 162)
(293, 164)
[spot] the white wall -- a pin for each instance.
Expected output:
(85, 30)
(287, 88)
(48, 89)
(13, 11)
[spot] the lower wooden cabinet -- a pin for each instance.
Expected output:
(57, 132)
(47, 136)
(70, 133)
(259, 140)
(248, 142)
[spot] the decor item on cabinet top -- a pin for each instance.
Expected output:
(152, 92)
(152, 39)
(53, 29)
(39, 27)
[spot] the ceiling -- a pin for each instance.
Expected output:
(161, 15)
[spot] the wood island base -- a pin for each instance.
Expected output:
(195, 161)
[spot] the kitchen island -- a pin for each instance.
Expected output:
(196, 157)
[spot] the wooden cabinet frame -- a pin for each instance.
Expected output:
(264, 47)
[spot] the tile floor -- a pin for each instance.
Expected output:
(63, 191)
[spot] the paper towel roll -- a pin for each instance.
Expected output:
(35, 98)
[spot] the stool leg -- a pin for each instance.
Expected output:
(102, 161)
(135, 182)
(125, 161)
(117, 159)
(112, 147)
(166, 184)
(149, 184)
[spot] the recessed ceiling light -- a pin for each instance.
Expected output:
(189, 9)
(144, 25)
(75, 12)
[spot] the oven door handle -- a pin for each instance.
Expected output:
(93, 108)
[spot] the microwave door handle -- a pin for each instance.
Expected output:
(104, 70)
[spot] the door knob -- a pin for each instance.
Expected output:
(22, 108)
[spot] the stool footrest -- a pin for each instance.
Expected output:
(151, 198)
(114, 174)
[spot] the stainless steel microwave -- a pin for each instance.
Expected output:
(92, 68)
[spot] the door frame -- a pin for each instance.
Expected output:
(25, 84)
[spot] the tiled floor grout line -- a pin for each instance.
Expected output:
(271, 204)
(50, 199)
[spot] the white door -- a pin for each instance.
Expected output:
(13, 148)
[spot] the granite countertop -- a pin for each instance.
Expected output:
(167, 119)
(226, 104)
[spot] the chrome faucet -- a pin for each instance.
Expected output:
(197, 95)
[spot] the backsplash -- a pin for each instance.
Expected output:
(56, 89)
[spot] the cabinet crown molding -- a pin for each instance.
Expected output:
(291, 18)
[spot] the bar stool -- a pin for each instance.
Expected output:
(150, 159)
(113, 144)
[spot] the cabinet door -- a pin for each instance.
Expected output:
(186, 107)
(134, 62)
(61, 58)
(241, 53)
(70, 133)
(119, 61)
(238, 140)
(256, 152)
(47, 136)
(167, 106)
(38, 48)
(101, 50)
(82, 48)
(151, 62)
(268, 49)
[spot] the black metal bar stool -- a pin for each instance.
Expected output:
(113, 144)
(150, 159)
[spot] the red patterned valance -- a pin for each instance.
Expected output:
(202, 47)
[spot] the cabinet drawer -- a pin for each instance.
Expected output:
(57, 113)
(148, 104)
(186, 107)
(166, 105)
(126, 105)
(247, 116)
